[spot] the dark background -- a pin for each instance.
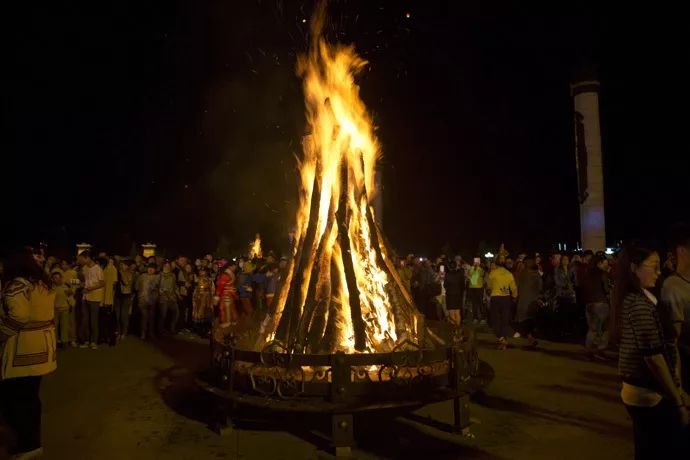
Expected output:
(178, 121)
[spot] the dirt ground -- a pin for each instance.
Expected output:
(139, 401)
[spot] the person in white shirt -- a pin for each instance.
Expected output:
(93, 298)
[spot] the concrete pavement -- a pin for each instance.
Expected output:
(138, 401)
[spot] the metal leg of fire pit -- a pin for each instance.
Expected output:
(461, 413)
(223, 424)
(461, 402)
(343, 434)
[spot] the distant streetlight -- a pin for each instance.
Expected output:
(148, 250)
(81, 247)
(489, 255)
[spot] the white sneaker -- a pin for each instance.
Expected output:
(516, 335)
(73, 344)
(93, 346)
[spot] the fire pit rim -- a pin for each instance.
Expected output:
(401, 357)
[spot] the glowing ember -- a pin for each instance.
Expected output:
(341, 291)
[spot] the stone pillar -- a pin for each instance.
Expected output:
(590, 177)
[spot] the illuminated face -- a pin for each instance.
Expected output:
(649, 270)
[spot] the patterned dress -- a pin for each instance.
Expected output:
(202, 301)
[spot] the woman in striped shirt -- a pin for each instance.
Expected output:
(651, 391)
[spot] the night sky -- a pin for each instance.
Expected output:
(178, 122)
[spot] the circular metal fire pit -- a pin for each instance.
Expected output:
(341, 384)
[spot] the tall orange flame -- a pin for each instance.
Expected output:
(337, 169)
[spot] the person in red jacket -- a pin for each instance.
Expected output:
(226, 296)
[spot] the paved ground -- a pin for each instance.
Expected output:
(138, 401)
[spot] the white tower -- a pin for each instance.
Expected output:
(590, 177)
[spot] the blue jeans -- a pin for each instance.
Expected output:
(597, 317)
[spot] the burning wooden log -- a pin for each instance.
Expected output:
(350, 278)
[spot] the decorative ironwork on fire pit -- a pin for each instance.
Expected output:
(343, 334)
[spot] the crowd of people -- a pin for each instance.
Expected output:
(631, 301)
(98, 296)
(561, 295)
(93, 301)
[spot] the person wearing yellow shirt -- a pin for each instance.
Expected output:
(503, 292)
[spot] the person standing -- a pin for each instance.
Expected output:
(675, 294)
(27, 348)
(503, 291)
(202, 302)
(530, 287)
(454, 284)
(651, 392)
(272, 278)
(595, 291)
(71, 278)
(63, 293)
(123, 302)
(245, 288)
(581, 271)
(169, 310)
(185, 287)
(226, 296)
(147, 298)
(565, 297)
(93, 299)
(476, 291)
(107, 311)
